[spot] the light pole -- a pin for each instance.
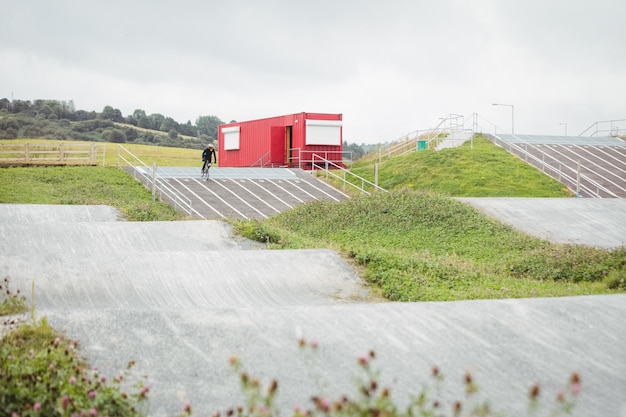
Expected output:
(564, 124)
(512, 115)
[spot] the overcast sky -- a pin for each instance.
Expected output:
(390, 67)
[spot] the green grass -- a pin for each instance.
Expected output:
(83, 185)
(478, 169)
(421, 246)
(162, 155)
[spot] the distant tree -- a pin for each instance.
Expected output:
(188, 129)
(5, 104)
(112, 114)
(207, 125)
(108, 113)
(168, 124)
(173, 134)
(18, 106)
(156, 120)
(113, 135)
(81, 115)
(131, 134)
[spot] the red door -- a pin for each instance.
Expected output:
(277, 151)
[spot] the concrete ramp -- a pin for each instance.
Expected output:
(180, 298)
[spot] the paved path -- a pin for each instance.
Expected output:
(182, 297)
(589, 221)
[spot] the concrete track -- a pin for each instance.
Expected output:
(181, 297)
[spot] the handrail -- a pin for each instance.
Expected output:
(613, 131)
(409, 142)
(305, 158)
(326, 167)
(559, 174)
(152, 180)
(260, 160)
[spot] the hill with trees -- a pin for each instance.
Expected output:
(59, 120)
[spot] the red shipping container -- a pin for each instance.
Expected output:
(294, 140)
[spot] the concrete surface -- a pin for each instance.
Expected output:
(181, 297)
(581, 221)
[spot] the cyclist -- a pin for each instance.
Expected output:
(206, 157)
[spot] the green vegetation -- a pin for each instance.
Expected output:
(419, 246)
(477, 169)
(42, 374)
(59, 120)
(83, 185)
(13, 302)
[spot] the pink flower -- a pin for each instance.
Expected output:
(93, 411)
(92, 394)
(65, 402)
(72, 380)
(37, 406)
(57, 341)
(576, 388)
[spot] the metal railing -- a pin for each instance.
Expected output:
(556, 173)
(305, 159)
(150, 178)
(52, 153)
(263, 161)
(604, 126)
(331, 170)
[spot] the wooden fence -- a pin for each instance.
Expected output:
(20, 154)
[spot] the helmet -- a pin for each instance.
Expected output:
(210, 145)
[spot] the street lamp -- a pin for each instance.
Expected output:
(512, 115)
(564, 124)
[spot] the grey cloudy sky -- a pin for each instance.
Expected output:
(390, 67)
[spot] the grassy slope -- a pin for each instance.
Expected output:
(83, 185)
(421, 245)
(477, 169)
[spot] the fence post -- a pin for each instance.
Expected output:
(92, 155)
(376, 176)
(27, 152)
(154, 167)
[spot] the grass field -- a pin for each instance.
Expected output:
(108, 152)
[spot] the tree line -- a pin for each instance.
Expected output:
(56, 119)
(59, 120)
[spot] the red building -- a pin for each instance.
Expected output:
(294, 140)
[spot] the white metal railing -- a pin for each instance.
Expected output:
(305, 159)
(557, 173)
(604, 126)
(52, 153)
(152, 180)
(263, 161)
(423, 139)
(330, 169)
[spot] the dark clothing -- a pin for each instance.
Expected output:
(206, 157)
